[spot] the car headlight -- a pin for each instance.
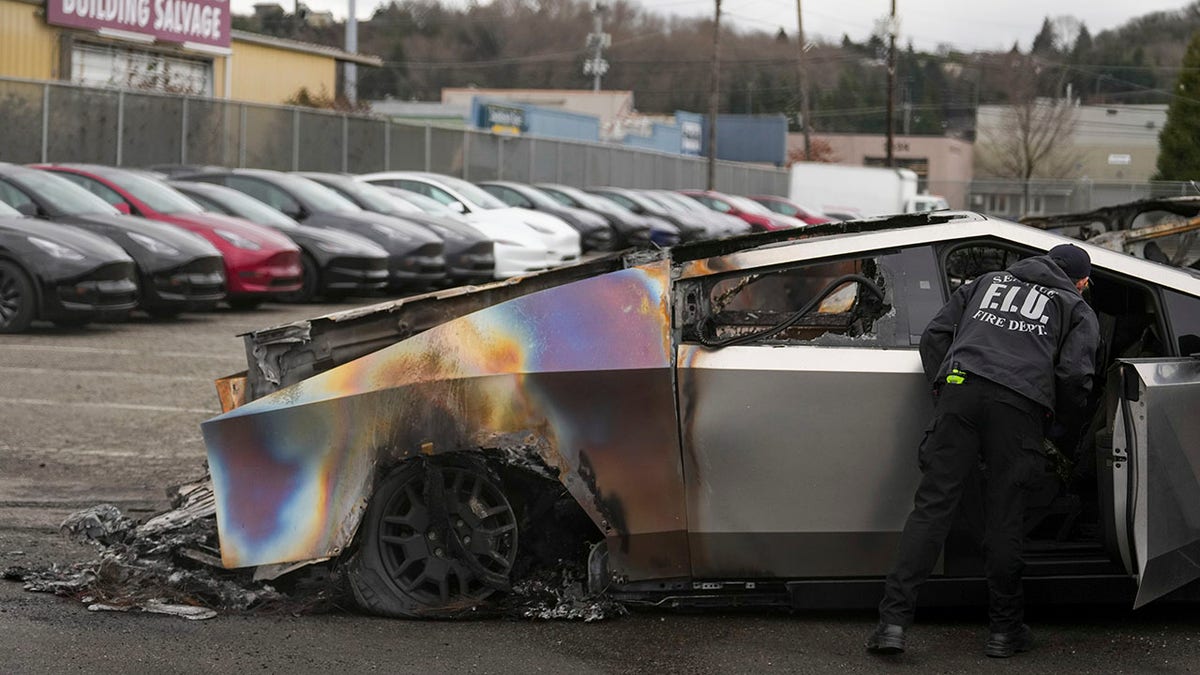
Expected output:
(238, 240)
(154, 245)
(56, 250)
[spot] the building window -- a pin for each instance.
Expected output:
(125, 68)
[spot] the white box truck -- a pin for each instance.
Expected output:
(858, 191)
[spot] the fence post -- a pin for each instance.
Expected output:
(466, 167)
(558, 161)
(587, 165)
(120, 124)
(242, 137)
(500, 158)
(428, 145)
(295, 139)
(45, 123)
(387, 145)
(183, 129)
(532, 159)
(345, 143)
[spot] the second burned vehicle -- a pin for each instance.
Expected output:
(731, 422)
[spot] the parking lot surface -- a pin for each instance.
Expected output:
(111, 413)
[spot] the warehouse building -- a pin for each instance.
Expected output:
(176, 46)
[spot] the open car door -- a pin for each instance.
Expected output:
(1156, 477)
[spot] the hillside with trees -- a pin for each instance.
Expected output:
(428, 45)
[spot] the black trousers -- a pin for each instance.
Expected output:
(975, 423)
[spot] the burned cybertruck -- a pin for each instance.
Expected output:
(731, 422)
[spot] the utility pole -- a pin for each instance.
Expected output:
(351, 72)
(714, 98)
(891, 88)
(597, 42)
(803, 83)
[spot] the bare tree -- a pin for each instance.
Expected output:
(1030, 137)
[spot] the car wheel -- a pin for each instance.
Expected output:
(16, 298)
(310, 282)
(436, 541)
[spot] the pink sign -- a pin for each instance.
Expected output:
(203, 22)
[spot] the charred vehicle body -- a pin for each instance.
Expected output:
(1165, 230)
(177, 270)
(733, 422)
(59, 273)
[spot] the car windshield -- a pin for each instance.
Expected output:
(681, 202)
(6, 210)
(748, 205)
(155, 194)
(315, 196)
(539, 198)
(65, 197)
(474, 194)
(372, 197)
(250, 208)
(427, 204)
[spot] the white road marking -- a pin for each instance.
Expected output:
(121, 373)
(96, 404)
(105, 350)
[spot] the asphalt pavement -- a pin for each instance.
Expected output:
(111, 413)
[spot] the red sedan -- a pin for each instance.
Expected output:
(787, 207)
(260, 262)
(760, 217)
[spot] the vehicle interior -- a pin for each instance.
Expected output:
(1064, 523)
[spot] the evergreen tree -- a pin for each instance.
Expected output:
(1044, 42)
(1083, 45)
(1179, 142)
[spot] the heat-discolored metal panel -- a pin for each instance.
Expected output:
(577, 376)
(800, 460)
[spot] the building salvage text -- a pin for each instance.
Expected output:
(201, 21)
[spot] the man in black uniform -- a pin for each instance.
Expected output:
(1008, 350)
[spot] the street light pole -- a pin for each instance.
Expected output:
(352, 47)
(803, 84)
(891, 88)
(714, 98)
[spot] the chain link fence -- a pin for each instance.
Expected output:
(1008, 199)
(60, 122)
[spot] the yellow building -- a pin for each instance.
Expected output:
(237, 65)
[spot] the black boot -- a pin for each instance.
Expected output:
(888, 638)
(1004, 645)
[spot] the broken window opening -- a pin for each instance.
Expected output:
(767, 303)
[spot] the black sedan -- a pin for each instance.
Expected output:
(595, 232)
(59, 273)
(177, 270)
(335, 263)
(631, 228)
(416, 259)
(470, 257)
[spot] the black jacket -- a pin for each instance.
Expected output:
(1026, 328)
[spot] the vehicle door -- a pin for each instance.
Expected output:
(800, 447)
(1155, 462)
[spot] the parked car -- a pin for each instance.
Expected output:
(631, 229)
(722, 224)
(690, 229)
(260, 263)
(731, 422)
(59, 273)
(787, 207)
(494, 218)
(594, 231)
(470, 256)
(415, 259)
(335, 263)
(760, 217)
(176, 270)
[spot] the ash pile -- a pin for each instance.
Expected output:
(168, 565)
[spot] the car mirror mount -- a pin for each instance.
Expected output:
(124, 208)
(457, 207)
(29, 209)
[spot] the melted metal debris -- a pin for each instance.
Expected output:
(160, 566)
(560, 593)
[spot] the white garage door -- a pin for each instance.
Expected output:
(110, 66)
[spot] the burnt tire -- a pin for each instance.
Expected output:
(437, 540)
(17, 299)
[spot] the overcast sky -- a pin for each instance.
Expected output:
(965, 24)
